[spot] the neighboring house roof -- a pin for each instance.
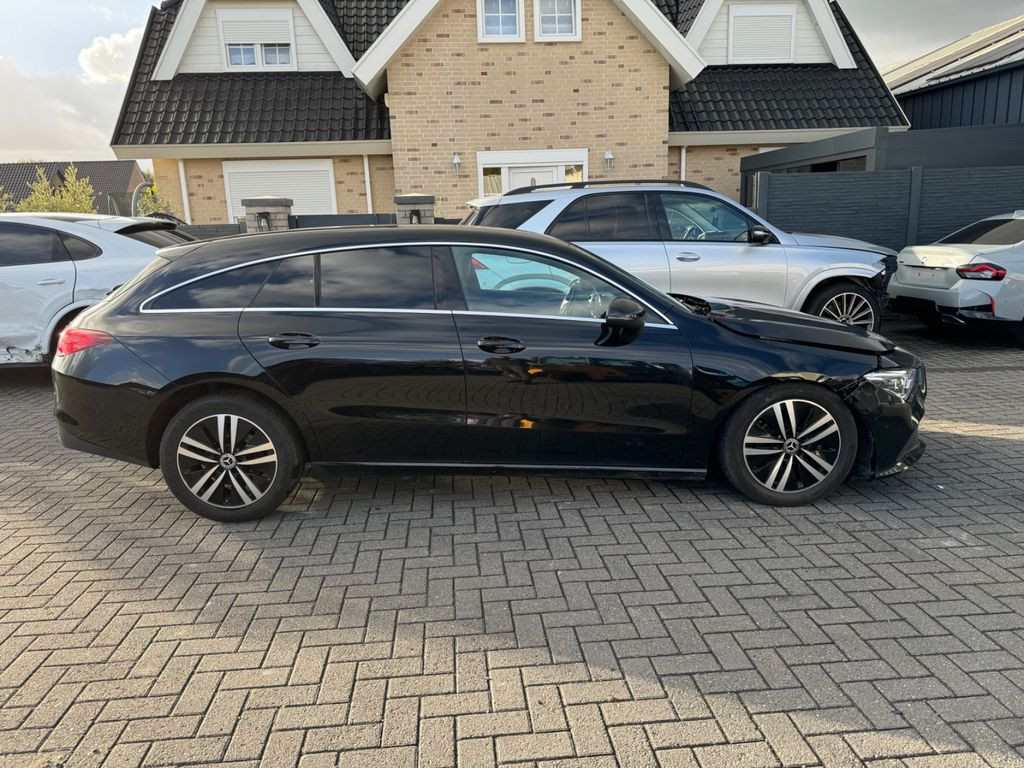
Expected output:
(361, 21)
(680, 12)
(768, 97)
(983, 51)
(230, 108)
(111, 179)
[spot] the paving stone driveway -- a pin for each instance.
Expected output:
(421, 621)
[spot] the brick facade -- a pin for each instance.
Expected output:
(717, 167)
(449, 93)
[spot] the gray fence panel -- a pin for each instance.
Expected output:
(952, 198)
(867, 206)
(888, 207)
(209, 231)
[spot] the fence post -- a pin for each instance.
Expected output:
(914, 205)
(762, 185)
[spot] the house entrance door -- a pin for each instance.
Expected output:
(531, 176)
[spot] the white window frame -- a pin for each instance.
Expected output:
(764, 10)
(248, 14)
(577, 23)
(519, 37)
(310, 164)
(526, 158)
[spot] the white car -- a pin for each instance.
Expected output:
(974, 276)
(54, 265)
(686, 239)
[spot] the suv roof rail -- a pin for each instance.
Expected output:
(607, 182)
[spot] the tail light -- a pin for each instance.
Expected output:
(477, 264)
(983, 271)
(76, 339)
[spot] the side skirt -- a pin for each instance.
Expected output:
(329, 469)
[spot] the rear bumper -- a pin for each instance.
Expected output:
(980, 314)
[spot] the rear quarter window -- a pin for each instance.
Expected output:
(234, 289)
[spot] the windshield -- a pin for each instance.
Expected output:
(990, 232)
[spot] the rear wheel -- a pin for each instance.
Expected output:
(230, 457)
(847, 303)
(789, 445)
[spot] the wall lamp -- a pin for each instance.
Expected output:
(609, 160)
(457, 164)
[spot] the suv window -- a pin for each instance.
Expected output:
(496, 280)
(25, 244)
(234, 289)
(380, 278)
(698, 217)
(611, 216)
(79, 249)
(992, 232)
(510, 215)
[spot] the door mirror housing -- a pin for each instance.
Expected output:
(760, 235)
(625, 313)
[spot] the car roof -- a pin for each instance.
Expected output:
(547, 192)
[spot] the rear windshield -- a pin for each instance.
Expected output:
(508, 216)
(157, 235)
(991, 232)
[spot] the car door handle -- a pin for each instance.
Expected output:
(687, 256)
(52, 281)
(293, 340)
(499, 345)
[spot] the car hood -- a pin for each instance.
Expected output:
(944, 255)
(831, 241)
(773, 324)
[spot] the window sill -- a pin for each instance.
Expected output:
(501, 39)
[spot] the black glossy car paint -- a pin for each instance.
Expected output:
(416, 388)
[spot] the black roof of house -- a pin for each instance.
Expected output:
(769, 97)
(327, 106)
(114, 178)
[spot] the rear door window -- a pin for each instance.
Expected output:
(377, 278)
(607, 217)
(292, 285)
(24, 244)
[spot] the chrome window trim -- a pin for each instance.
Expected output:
(143, 309)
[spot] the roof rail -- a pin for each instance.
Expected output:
(607, 182)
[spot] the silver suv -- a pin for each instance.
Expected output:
(684, 238)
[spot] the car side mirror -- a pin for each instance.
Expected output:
(625, 313)
(759, 235)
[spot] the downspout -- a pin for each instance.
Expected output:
(366, 180)
(186, 209)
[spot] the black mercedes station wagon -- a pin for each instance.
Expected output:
(235, 364)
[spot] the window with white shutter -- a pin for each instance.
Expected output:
(308, 183)
(257, 38)
(762, 34)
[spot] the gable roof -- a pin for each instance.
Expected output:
(232, 108)
(788, 96)
(987, 49)
(681, 13)
(113, 179)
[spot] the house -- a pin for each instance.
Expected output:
(113, 180)
(978, 80)
(341, 104)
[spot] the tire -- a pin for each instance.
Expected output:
(848, 303)
(196, 464)
(752, 440)
(1018, 335)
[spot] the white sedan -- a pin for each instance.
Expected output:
(54, 265)
(974, 276)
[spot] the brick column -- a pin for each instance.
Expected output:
(273, 211)
(415, 209)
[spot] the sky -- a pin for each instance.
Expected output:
(64, 64)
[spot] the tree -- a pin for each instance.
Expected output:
(5, 200)
(150, 202)
(74, 195)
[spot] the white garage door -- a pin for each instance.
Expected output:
(309, 183)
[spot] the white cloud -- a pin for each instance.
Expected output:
(110, 59)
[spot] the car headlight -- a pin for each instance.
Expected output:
(899, 381)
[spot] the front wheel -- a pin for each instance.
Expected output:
(789, 445)
(230, 458)
(847, 303)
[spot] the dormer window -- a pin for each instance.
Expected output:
(556, 20)
(257, 38)
(500, 21)
(762, 34)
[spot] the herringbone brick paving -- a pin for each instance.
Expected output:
(522, 621)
